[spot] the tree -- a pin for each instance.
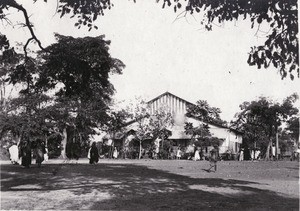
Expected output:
(280, 48)
(161, 121)
(261, 119)
(200, 135)
(78, 69)
(24, 116)
(77, 72)
(8, 60)
(204, 112)
(143, 129)
(116, 123)
(293, 127)
(150, 126)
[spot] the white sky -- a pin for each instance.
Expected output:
(162, 55)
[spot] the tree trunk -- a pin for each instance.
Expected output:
(140, 150)
(277, 146)
(64, 144)
(268, 150)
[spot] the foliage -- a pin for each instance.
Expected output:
(54, 144)
(24, 116)
(200, 135)
(204, 112)
(151, 125)
(116, 121)
(260, 120)
(77, 72)
(293, 127)
(161, 120)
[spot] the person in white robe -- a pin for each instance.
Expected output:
(197, 155)
(14, 154)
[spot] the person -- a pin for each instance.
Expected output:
(178, 154)
(241, 157)
(14, 154)
(197, 155)
(39, 152)
(115, 153)
(252, 153)
(46, 156)
(213, 159)
(201, 154)
(93, 154)
(257, 154)
(25, 153)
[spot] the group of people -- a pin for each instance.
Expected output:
(22, 154)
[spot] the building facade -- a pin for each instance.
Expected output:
(178, 107)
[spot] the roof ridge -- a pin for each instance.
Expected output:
(167, 92)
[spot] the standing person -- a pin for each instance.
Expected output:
(178, 154)
(197, 155)
(213, 159)
(46, 156)
(115, 153)
(26, 153)
(39, 152)
(14, 154)
(241, 158)
(93, 154)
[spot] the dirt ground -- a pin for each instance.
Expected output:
(150, 185)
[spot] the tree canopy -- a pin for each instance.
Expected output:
(260, 120)
(67, 87)
(200, 135)
(203, 111)
(280, 49)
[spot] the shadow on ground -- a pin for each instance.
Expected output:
(130, 187)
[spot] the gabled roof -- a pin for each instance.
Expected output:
(168, 93)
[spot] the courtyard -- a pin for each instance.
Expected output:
(150, 185)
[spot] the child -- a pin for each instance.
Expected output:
(213, 158)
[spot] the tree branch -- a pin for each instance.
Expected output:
(14, 4)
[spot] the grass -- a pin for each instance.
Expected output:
(151, 185)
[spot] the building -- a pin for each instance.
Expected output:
(177, 106)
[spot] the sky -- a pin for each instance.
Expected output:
(162, 53)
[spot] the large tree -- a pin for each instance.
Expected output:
(78, 69)
(24, 115)
(281, 17)
(260, 120)
(75, 73)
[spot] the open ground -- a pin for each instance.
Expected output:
(151, 185)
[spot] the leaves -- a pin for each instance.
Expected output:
(260, 120)
(76, 71)
(203, 111)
